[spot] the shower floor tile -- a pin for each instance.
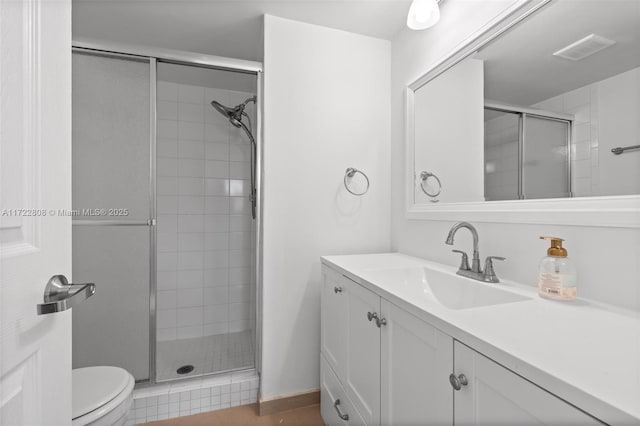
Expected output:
(208, 354)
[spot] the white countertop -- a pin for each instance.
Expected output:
(583, 352)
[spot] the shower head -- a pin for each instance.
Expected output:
(233, 114)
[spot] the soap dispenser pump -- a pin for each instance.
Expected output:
(557, 274)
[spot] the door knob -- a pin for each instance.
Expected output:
(59, 295)
(458, 382)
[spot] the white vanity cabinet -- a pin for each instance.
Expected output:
(494, 395)
(381, 365)
(389, 365)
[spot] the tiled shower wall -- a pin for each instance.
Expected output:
(205, 238)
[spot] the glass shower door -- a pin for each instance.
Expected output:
(112, 208)
(545, 164)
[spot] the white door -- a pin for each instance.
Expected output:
(494, 395)
(416, 360)
(35, 186)
(362, 369)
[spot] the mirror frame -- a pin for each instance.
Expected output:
(602, 211)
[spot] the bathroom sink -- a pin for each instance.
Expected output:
(447, 288)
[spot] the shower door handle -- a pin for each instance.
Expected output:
(59, 295)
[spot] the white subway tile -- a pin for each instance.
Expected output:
(240, 152)
(167, 261)
(166, 299)
(239, 325)
(216, 205)
(167, 129)
(167, 147)
(239, 223)
(167, 223)
(217, 151)
(217, 131)
(166, 110)
(166, 280)
(190, 186)
(191, 223)
(189, 332)
(191, 167)
(239, 240)
(191, 112)
(239, 188)
(166, 334)
(216, 296)
(191, 205)
(167, 241)
(167, 204)
(193, 278)
(239, 170)
(190, 131)
(216, 241)
(215, 314)
(166, 318)
(216, 259)
(239, 258)
(167, 166)
(239, 294)
(239, 205)
(216, 187)
(189, 316)
(191, 149)
(217, 169)
(217, 223)
(191, 94)
(167, 185)
(216, 277)
(239, 276)
(192, 241)
(167, 91)
(190, 260)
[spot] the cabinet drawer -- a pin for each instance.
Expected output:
(332, 391)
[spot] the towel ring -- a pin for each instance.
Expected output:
(351, 172)
(424, 176)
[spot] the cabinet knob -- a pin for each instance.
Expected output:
(337, 289)
(371, 316)
(458, 382)
(381, 321)
(336, 406)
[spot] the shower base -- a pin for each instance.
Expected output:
(208, 354)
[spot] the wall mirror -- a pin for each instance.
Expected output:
(539, 115)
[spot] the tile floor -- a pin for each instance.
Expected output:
(247, 415)
(208, 354)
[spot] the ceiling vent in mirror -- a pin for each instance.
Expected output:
(584, 47)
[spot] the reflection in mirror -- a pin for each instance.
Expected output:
(538, 112)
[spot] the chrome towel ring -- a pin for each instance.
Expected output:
(424, 177)
(351, 172)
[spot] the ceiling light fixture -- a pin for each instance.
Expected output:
(423, 14)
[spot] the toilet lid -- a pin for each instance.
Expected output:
(93, 387)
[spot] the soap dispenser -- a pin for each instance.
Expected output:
(557, 274)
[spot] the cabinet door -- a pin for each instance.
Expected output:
(495, 395)
(335, 406)
(415, 366)
(362, 374)
(333, 321)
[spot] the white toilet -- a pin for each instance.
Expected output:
(102, 396)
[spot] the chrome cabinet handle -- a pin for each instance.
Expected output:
(342, 416)
(337, 289)
(59, 295)
(372, 316)
(458, 382)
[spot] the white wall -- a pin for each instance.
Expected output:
(449, 121)
(608, 259)
(326, 109)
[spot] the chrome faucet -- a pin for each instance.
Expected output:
(474, 272)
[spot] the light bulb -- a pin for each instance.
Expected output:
(423, 14)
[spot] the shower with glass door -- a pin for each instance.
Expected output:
(168, 152)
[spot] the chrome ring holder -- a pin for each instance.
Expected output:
(351, 172)
(424, 176)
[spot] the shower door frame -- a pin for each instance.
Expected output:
(523, 113)
(154, 56)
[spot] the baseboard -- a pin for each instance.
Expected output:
(288, 402)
